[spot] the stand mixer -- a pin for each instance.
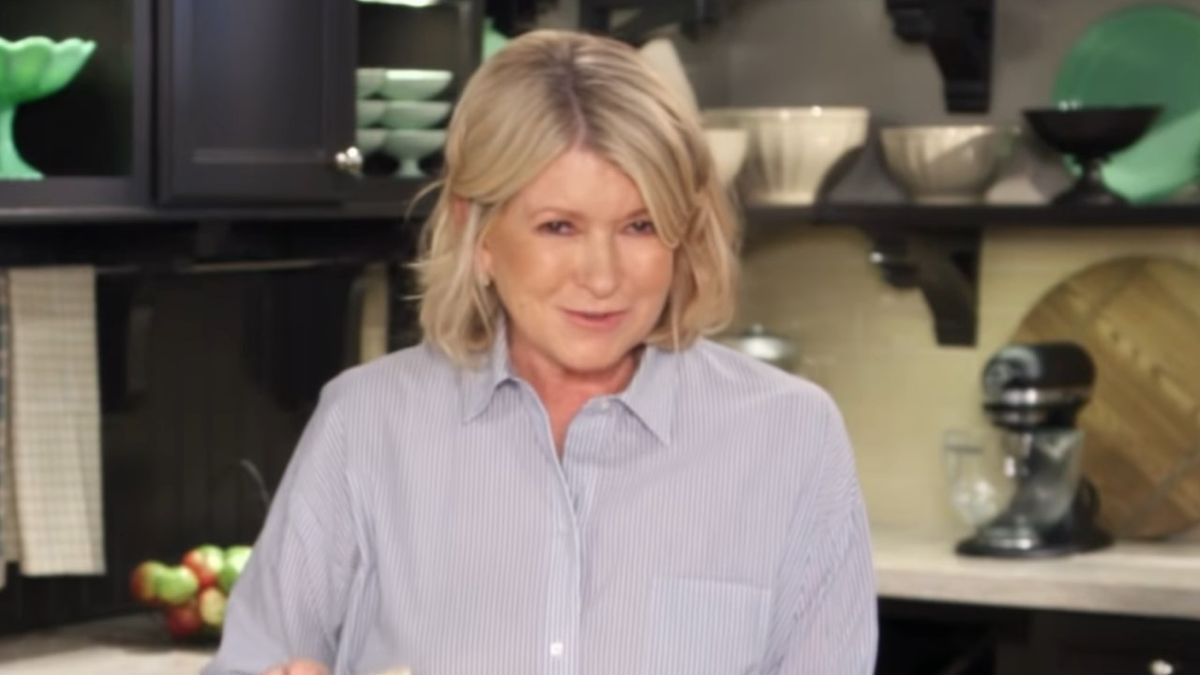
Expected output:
(1033, 393)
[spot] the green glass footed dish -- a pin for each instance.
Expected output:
(30, 69)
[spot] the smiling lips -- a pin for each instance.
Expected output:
(595, 320)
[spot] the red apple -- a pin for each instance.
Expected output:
(144, 580)
(176, 585)
(184, 621)
(212, 607)
(206, 562)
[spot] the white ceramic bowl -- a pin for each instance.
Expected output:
(792, 149)
(409, 84)
(946, 164)
(728, 148)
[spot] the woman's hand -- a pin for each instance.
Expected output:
(300, 667)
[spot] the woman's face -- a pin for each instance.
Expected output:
(578, 266)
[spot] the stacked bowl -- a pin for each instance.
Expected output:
(793, 150)
(395, 115)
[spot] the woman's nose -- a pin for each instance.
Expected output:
(599, 267)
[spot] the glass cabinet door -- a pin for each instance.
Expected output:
(87, 135)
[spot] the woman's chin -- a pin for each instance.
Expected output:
(585, 359)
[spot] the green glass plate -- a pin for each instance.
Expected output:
(1149, 54)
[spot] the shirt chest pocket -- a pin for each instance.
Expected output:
(702, 627)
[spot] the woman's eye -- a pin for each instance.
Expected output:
(642, 227)
(555, 227)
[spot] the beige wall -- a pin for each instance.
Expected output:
(872, 346)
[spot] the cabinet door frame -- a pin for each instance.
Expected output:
(188, 172)
(65, 197)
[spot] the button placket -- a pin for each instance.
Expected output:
(564, 607)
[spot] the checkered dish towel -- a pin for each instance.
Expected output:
(55, 420)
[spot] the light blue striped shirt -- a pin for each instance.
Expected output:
(706, 520)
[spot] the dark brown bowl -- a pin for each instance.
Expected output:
(1086, 133)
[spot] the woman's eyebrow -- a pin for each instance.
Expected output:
(577, 215)
(559, 210)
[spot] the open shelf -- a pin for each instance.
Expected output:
(969, 217)
(936, 248)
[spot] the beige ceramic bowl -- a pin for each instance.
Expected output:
(728, 148)
(946, 164)
(793, 149)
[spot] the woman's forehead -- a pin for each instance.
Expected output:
(582, 181)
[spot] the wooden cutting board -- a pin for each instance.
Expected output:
(1139, 318)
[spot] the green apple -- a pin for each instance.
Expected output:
(212, 607)
(236, 558)
(176, 585)
(206, 562)
(144, 580)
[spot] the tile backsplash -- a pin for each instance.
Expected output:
(872, 346)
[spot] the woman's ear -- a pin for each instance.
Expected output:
(460, 211)
(483, 256)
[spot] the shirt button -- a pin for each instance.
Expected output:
(556, 649)
(605, 405)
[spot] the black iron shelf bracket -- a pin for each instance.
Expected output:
(649, 15)
(944, 266)
(959, 33)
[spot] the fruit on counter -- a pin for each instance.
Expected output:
(143, 582)
(193, 595)
(184, 621)
(212, 603)
(236, 558)
(205, 562)
(176, 585)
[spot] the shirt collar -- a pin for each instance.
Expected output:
(650, 395)
(481, 382)
(652, 391)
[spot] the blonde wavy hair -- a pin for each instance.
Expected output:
(545, 93)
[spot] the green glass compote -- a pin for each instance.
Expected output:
(410, 146)
(30, 69)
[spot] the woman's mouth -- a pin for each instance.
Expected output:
(595, 320)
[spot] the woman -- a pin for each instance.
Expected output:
(564, 477)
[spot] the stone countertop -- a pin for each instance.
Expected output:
(129, 645)
(1152, 580)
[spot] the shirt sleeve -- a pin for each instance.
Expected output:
(291, 599)
(827, 612)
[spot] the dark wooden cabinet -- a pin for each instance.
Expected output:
(1107, 645)
(91, 140)
(919, 638)
(226, 110)
(255, 100)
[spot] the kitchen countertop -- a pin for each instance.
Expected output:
(129, 645)
(1153, 580)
